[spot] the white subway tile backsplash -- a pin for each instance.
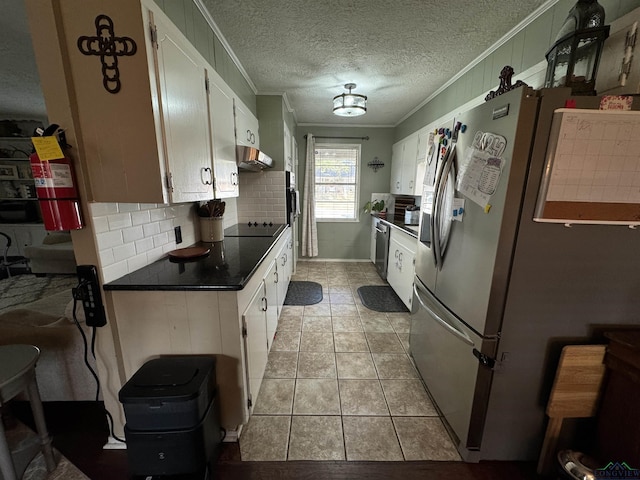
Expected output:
(166, 225)
(124, 252)
(139, 261)
(119, 221)
(168, 247)
(155, 254)
(100, 224)
(102, 209)
(160, 239)
(109, 239)
(157, 214)
(106, 257)
(115, 271)
(144, 245)
(151, 229)
(132, 234)
(141, 217)
(128, 207)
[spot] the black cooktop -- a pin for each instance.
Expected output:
(254, 229)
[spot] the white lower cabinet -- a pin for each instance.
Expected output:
(236, 326)
(255, 342)
(284, 272)
(272, 311)
(401, 267)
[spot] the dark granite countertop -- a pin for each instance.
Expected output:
(228, 267)
(397, 222)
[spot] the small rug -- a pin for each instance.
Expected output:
(381, 298)
(37, 469)
(22, 289)
(303, 293)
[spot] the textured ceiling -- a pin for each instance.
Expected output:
(398, 52)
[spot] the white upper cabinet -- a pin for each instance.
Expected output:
(288, 150)
(403, 166)
(225, 169)
(183, 104)
(140, 121)
(246, 126)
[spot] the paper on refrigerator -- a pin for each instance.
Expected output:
(479, 175)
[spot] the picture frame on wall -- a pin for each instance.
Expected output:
(8, 172)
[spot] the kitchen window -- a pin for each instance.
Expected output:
(337, 178)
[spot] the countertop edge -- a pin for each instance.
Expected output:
(399, 226)
(195, 288)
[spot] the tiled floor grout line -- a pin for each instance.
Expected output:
(395, 326)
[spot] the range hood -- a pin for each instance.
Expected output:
(250, 158)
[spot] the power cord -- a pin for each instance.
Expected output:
(77, 293)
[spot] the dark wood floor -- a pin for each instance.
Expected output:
(79, 431)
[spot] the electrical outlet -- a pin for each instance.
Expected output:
(178, 232)
(89, 294)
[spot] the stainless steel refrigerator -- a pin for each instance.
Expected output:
(497, 294)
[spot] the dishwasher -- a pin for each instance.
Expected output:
(382, 248)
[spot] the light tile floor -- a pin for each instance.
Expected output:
(339, 384)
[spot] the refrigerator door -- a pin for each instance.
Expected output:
(444, 351)
(473, 275)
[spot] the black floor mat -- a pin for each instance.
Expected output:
(303, 293)
(381, 298)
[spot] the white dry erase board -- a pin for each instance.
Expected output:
(592, 170)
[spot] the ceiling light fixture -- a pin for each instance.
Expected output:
(350, 104)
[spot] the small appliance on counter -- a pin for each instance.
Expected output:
(412, 215)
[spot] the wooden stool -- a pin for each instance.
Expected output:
(575, 394)
(17, 374)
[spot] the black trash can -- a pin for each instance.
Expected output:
(172, 414)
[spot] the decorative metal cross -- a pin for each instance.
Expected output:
(108, 47)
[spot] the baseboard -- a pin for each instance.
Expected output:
(113, 444)
(232, 436)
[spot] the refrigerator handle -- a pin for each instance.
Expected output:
(452, 329)
(433, 224)
(450, 172)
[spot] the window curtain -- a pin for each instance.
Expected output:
(309, 228)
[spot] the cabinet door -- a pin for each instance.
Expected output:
(423, 145)
(372, 253)
(288, 159)
(401, 266)
(393, 267)
(294, 155)
(183, 102)
(225, 168)
(255, 341)
(289, 262)
(246, 126)
(271, 282)
(396, 168)
(409, 158)
(282, 278)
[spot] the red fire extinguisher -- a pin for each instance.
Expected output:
(56, 190)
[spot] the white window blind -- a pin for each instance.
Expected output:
(336, 179)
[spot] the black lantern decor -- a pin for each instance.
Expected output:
(573, 59)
